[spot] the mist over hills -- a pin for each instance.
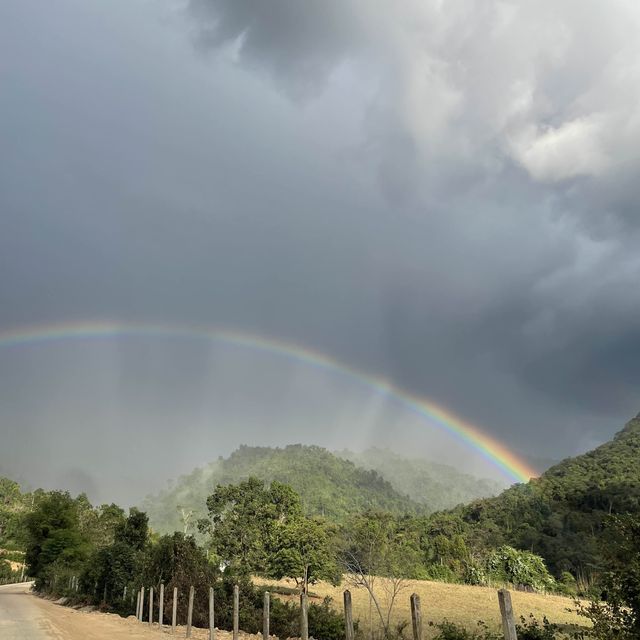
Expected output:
(333, 485)
(434, 485)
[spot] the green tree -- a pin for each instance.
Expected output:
(112, 568)
(242, 522)
(134, 530)
(177, 561)
(13, 506)
(53, 533)
(305, 549)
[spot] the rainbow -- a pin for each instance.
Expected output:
(495, 452)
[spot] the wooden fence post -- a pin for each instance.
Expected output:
(212, 617)
(236, 611)
(304, 617)
(161, 606)
(141, 603)
(506, 611)
(348, 616)
(416, 617)
(266, 607)
(190, 611)
(138, 606)
(150, 606)
(174, 613)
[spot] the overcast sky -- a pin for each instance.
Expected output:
(443, 194)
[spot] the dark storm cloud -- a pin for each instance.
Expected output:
(441, 194)
(499, 110)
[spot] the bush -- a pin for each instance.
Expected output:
(475, 575)
(451, 631)
(530, 629)
(325, 623)
(440, 573)
(520, 568)
(5, 570)
(567, 585)
(533, 630)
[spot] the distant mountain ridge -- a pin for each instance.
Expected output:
(435, 485)
(330, 485)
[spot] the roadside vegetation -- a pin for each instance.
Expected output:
(574, 532)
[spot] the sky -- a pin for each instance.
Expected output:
(441, 195)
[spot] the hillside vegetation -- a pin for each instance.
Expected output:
(561, 515)
(330, 485)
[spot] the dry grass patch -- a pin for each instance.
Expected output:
(462, 604)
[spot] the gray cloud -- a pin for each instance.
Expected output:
(439, 194)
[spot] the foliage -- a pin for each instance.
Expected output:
(52, 533)
(304, 549)
(532, 629)
(618, 617)
(261, 530)
(177, 561)
(13, 505)
(451, 631)
(243, 522)
(325, 623)
(520, 568)
(528, 629)
(5, 570)
(561, 515)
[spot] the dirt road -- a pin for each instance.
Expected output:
(24, 616)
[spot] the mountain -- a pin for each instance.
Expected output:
(436, 486)
(561, 514)
(328, 485)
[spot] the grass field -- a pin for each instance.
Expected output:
(462, 604)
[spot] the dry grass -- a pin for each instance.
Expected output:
(462, 604)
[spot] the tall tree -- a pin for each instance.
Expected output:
(242, 522)
(53, 533)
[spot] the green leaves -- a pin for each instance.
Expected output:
(243, 522)
(262, 530)
(619, 616)
(305, 549)
(520, 568)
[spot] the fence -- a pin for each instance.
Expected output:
(146, 603)
(504, 601)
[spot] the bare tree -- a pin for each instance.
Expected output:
(378, 559)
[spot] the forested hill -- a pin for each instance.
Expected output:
(328, 485)
(561, 514)
(437, 486)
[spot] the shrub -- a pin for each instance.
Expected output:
(520, 568)
(441, 573)
(451, 631)
(532, 629)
